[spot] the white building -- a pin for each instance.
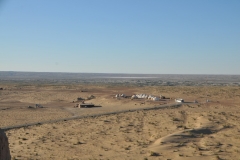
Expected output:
(179, 100)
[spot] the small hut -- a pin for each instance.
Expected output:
(87, 105)
(80, 99)
(155, 99)
(162, 97)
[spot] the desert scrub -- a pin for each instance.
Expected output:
(175, 119)
(154, 153)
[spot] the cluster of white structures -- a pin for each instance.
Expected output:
(136, 96)
(120, 95)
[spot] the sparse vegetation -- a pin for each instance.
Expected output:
(154, 153)
(133, 133)
(176, 119)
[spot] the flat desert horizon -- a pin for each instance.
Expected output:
(204, 126)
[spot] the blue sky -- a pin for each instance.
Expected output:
(120, 36)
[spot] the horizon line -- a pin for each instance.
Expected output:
(123, 73)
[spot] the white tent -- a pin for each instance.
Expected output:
(123, 95)
(134, 97)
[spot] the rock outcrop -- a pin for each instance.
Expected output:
(4, 147)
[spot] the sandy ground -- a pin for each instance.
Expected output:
(193, 131)
(58, 102)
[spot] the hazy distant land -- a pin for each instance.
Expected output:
(130, 79)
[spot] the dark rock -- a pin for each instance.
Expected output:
(4, 147)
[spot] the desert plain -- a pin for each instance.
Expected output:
(122, 128)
